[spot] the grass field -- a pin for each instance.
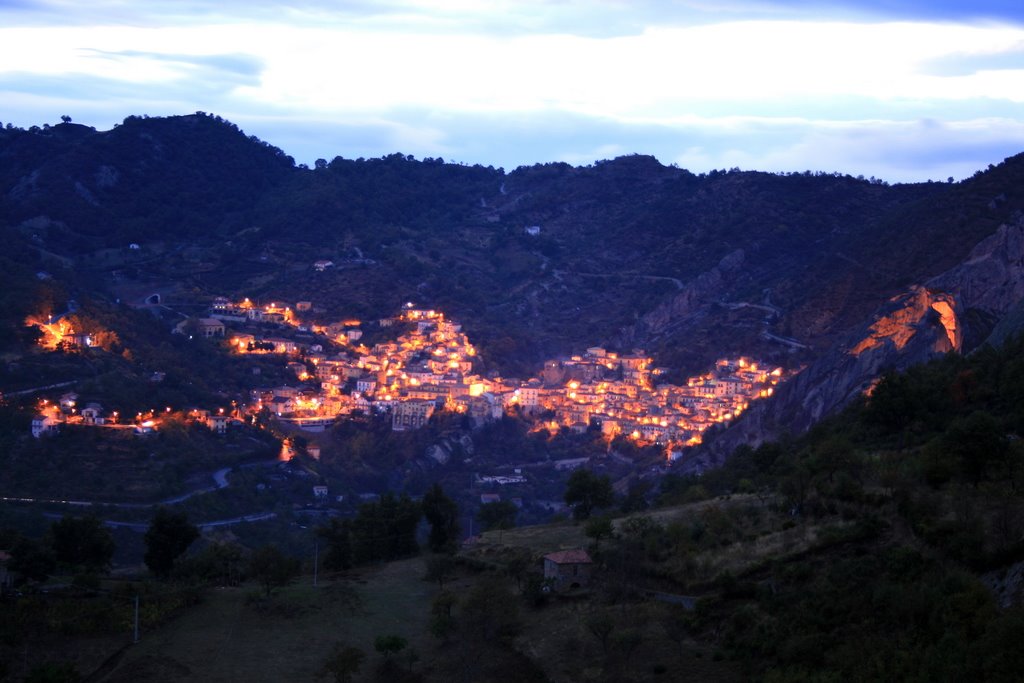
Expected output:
(235, 636)
(228, 638)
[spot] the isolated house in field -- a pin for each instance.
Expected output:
(568, 569)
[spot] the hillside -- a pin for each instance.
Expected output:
(627, 252)
(885, 543)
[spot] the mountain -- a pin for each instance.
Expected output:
(536, 262)
(974, 302)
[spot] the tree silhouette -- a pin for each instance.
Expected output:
(272, 568)
(586, 491)
(82, 542)
(168, 537)
(442, 514)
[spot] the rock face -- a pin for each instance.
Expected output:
(991, 280)
(926, 321)
(693, 297)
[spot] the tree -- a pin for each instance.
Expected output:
(82, 542)
(272, 568)
(54, 672)
(338, 534)
(976, 442)
(343, 663)
(500, 515)
(586, 491)
(601, 625)
(442, 514)
(490, 612)
(677, 626)
(386, 530)
(65, 119)
(221, 561)
(389, 645)
(440, 568)
(598, 528)
(31, 560)
(168, 537)
(627, 641)
(518, 565)
(442, 623)
(636, 498)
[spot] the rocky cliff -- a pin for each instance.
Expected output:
(694, 297)
(954, 311)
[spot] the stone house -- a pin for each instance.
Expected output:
(568, 569)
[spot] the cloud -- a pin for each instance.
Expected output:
(213, 69)
(777, 85)
(971, 64)
(591, 18)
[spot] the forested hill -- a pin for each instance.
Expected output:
(626, 252)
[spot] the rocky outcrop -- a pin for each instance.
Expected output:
(914, 327)
(991, 280)
(695, 295)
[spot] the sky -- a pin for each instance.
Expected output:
(902, 90)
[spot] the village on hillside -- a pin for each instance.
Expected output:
(427, 365)
(430, 366)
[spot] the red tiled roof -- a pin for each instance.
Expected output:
(577, 556)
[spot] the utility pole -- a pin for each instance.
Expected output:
(136, 619)
(316, 561)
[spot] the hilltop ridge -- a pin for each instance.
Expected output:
(537, 261)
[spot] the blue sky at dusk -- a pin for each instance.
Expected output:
(904, 91)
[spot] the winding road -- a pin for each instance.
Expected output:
(220, 481)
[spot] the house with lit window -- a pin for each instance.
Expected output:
(45, 425)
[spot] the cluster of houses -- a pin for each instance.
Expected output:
(57, 331)
(619, 394)
(426, 368)
(51, 416)
(429, 366)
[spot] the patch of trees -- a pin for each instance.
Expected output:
(382, 531)
(169, 535)
(586, 491)
(908, 496)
